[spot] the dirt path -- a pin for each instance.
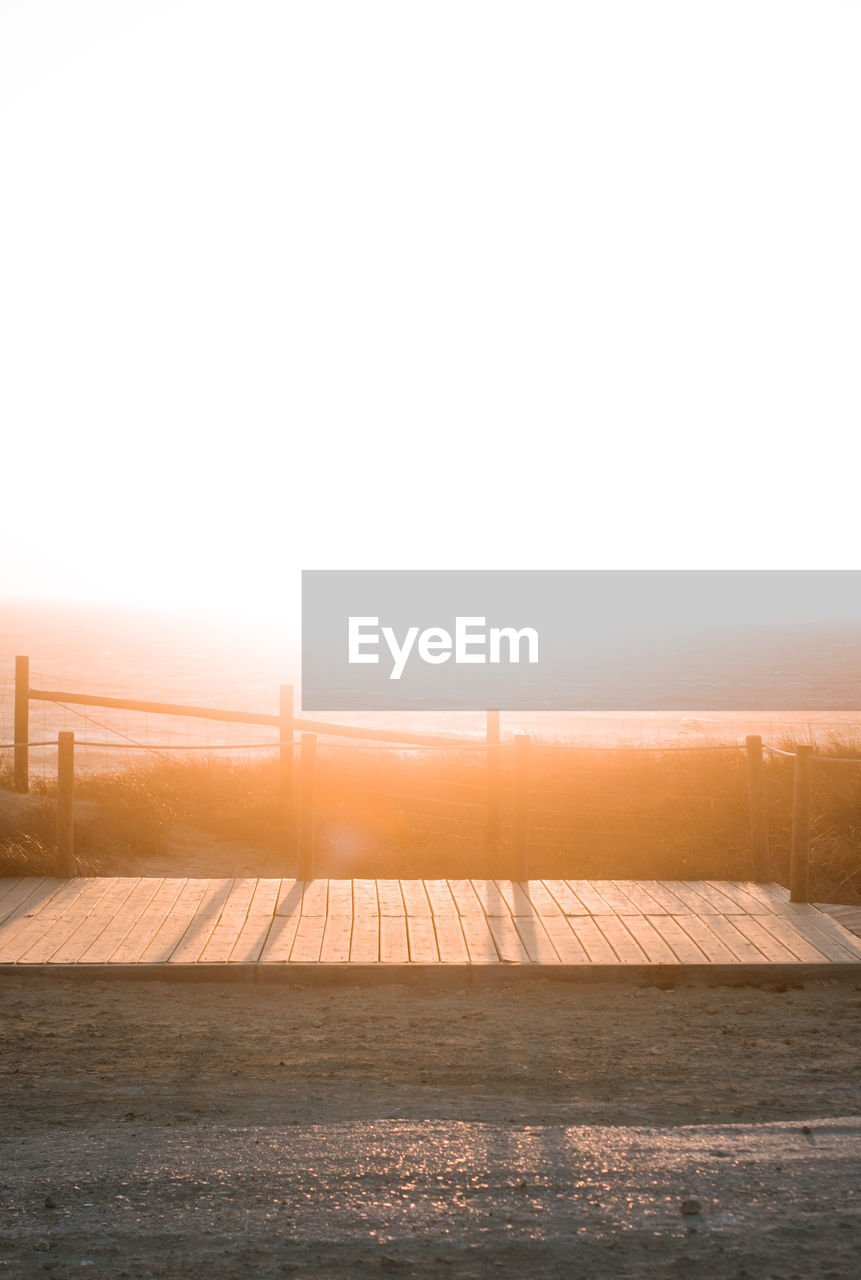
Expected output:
(537, 1129)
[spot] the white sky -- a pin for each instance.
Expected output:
(393, 285)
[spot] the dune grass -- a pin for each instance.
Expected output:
(673, 814)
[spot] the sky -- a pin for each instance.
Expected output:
(395, 285)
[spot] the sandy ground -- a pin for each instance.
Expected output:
(536, 1129)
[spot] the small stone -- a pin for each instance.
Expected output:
(805, 1128)
(50, 1202)
(690, 1207)
(130, 1115)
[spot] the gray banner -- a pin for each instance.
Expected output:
(581, 640)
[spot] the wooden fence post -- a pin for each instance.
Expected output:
(308, 758)
(22, 724)
(65, 803)
(492, 738)
(520, 850)
(799, 890)
(756, 805)
(285, 760)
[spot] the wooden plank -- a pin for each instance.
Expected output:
(487, 894)
(567, 900)
(773, 951)
(667, 901)
(279, 940)
(124, 918)
(439, 897)
(514, 896)
(592, 940)
(772, 891)
(827, 936)
(202, 924)
(836, 943)
(541, 899)
(589, 896)
(653, 946)
(258, 922)
(416, 902)
(394, 948)
(697, 927)
(176, 922)
(450, 941)
(7, 885)
(224, 936)
(719, 901)
(682, 944)
(465, 898)
(117, 920)
(834, 926)
(390, 898)
(422, 939)
(781, 905)
(693, 902)
(119, 890)
(290, 897)
(340, 900)
(65, 925)
(740, 945)
(618, 902)
(621, 940)
(848, 916)
(536, 941)
(15, 942)
(315, 898)
(335, 948)
(479, 939)
(565, 941)
(750, 904)
(765, 903)
(365, 900)
(640, 899)
(786, 932)
(148, 922)
(25, 901)
(789, 910)
(166, 708)
(365, 942)
(521, 901)
(308, 942)
(250, 717)
(509, 945)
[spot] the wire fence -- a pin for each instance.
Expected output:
(508, 794)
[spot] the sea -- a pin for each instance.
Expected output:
(220, 662)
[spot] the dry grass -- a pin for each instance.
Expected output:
(672, 814)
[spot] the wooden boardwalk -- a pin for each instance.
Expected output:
(267, 927)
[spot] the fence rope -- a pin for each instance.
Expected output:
(131, 745)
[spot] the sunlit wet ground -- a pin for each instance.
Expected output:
(534, 1130)
(392, 1195)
